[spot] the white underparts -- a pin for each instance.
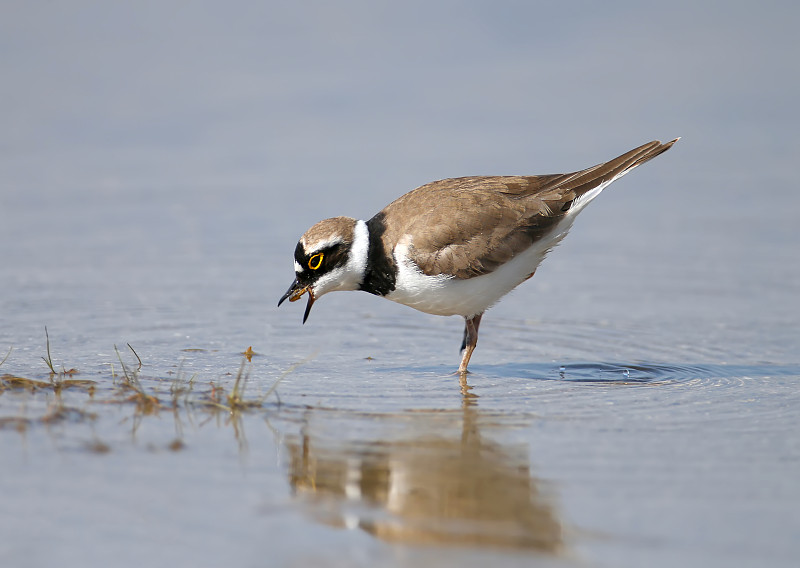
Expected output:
(448, 296)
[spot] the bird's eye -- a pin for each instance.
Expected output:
(315, 261)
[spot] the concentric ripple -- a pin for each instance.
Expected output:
(632, 374)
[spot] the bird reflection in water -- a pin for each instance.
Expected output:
(433, 480)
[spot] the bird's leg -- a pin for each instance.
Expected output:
(471, 326)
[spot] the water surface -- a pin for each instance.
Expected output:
(636, 403)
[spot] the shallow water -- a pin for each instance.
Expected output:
(636, 403)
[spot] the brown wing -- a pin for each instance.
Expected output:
(474, 224)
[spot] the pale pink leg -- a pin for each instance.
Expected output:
(470, 341)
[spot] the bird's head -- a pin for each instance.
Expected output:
(330, 256)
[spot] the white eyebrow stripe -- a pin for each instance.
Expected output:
(321, 245)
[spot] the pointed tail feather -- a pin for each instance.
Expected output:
(602, 174)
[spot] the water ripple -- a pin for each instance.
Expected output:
(736, 398)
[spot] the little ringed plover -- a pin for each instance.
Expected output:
(455, 246)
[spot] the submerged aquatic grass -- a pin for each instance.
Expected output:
(46, 402)
(56, 409)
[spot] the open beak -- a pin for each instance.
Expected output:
(295, 292)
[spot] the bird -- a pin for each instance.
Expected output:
(454, 246)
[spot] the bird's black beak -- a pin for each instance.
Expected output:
(292, 290)
(295, 292)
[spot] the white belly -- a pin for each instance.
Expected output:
(448, 296)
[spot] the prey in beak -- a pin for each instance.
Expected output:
(295, 292)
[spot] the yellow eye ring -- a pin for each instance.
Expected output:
(315, 261)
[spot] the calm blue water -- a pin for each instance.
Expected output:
(636, 403)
